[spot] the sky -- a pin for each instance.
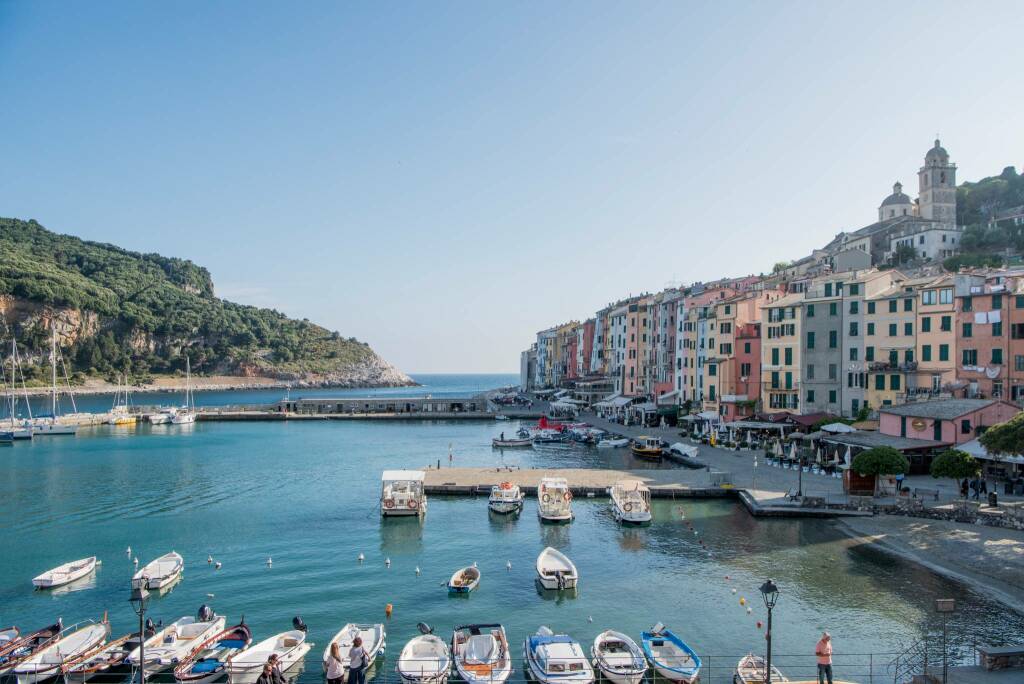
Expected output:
(443, 179)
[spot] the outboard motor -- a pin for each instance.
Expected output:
(424, 628)
(150, 627)
(298, 624)
(205, 613)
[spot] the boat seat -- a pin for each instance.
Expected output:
(290, 642)
(482, 648)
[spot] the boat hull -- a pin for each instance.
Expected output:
(504, 506)
(54, 430)
(652, 454)
(633, 517)
(57, 580)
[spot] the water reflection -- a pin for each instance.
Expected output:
(401, 535)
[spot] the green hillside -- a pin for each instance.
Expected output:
(121, 311)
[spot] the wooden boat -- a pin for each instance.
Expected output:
(505, 498)
(15, 650)
(646, 447)
(161, 572)
(498, 443)
(554, 500)
(103, 660)
(66, 573)
(552, 658)
(48, 661)
(619, 658)
(290, 647)
(671, 657)
(425, 660)
(465, 580)
(612, 442)
(207, 662)
(631, 502)
(481, 654)
(555, 570)
(8, 634)
(374, 641)
(752, 669)
(176, 641)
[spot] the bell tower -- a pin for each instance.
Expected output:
(937, 186)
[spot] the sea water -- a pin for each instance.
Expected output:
(306, 495)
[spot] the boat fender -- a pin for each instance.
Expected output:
(567, 496)
(298, 624)
(628, 506)
(388, 609)
(546, 498)
(389, 503)
(412, 503)
(205, 613)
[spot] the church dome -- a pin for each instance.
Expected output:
(937, 154)
(897, 196)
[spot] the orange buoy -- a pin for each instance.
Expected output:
(387, 610)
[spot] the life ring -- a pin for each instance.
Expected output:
(546, 498)
(506, 485)
(412, 503)
(389, 503)
(628, 506)
(567, 496)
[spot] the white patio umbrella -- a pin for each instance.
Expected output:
(817, 455)
(792, 450)
(849, 456)
(778, 448)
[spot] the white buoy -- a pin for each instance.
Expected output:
(128, 552)
(136, 561)
(387, 562)
(361, 557)
(508, 565)
(749, 611)
(474, 564)
(209, 560)
(417, 570)
(590, 618)
(270, 561)
(209, 596)
(734, 591)
(216, 565)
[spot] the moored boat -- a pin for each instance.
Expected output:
(481, 654)
(464, 580)
(162, 417)
(554, 658)
(647, 447)
(505, 498)
(102, 660)
(290, 647)
(186, 415)
(499, 443)
(207, 662)
(23, 646)
(554, 500)
(161, 572)
(374, 638)
(8, 634)
(612, 442)
(173, 643)
(425, 659)
(555, 570)
(671, 657)
(47, 662)
(66, 573)
(401, 493)
(631, 502)
(619, 658)
(752, 669)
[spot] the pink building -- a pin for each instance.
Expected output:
(951, 421)
(586, 348)
(746, 386)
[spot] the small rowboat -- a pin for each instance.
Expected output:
(481, 654)
(671, 656)
(8, 634)
(465, 580)
(374, 641)
(176, 641)
(65, 574)
(510, 443)
(555, 570)
(613, 442)
(208, 661)
(425, 660)
(15, 650)
(752, 670)
(48, 661)
(619, 658)
(247, 666)
(161, 572)
(104, 659)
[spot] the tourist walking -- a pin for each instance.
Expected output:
(823, 650)
(899, 483)
(267, 676)
(963, 488)
(357, 662)
(335, 668)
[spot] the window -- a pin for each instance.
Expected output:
(894, 357)
(997, 356)
(833, 371)
(943, 352)
(908, 355)
(880, 382)
(1018, 362)
(775, 379)
(828, 289)
(871, 328)
(810, 369)
(775, 356)
(728, 309)
(810, 340)
(892, 330)
(853, 353)
(997, 302)
(853, 329)
(810, 396)
(968, 330)
(997, 329)
(1017, 331)
(854, 288)
(871, 307)
(869, 353)
(894, 382)
(788, 356)
(928, 297)
(810, 311)
(745, 370)
(926, 352)
(908, 304)
(711, 392)
(946, 295)
(712, 369)
(789, 380)
(833, 339)
(946, 324)
(831, 396)
(970, 357)
(908, 329)
(833, 308)
(926, 324)
(965, 427)
(892, 306)
(1019, 301)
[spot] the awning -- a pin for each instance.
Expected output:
(975, 449)
(617, 402)
(646, 407)
(708, 415)
(689, 418)
(837, 428)
(667, 397)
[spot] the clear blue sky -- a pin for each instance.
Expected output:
(443, 179)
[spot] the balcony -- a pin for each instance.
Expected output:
(905, 366)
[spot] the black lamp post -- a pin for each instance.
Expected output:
(770, 593)
(139, 599)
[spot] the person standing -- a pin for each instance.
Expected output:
(335, 668)
(275, 669)
(358, 661)
(823, 650)
(267, 676)
(899, 483)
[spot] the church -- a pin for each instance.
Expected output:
(927, 225)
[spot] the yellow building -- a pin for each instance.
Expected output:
(936, 338)
(890, 344)
(780, 354)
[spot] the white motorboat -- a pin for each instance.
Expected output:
(374, 641)
(481, 654)
(247, 666)
(619, 658)
(66, 573)
(505, 498)
(163, 416)
(173, 643)
(499, 443)
(425, 660)
(207, 662)
(631, 502)
(47, 662)
(160, 573)
(671, 657)
(554, 500)
(401, 493)
(464, 580)
(752, 669)
(552, 658)
(102, 660)
(555, 570)
(51, 428)
(613, 442)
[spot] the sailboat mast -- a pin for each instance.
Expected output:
(53, 365)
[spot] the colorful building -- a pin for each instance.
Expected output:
(781, 331)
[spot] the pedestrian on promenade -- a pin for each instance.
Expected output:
(899, 483)
(335, 668)
(823, 650)
(357, 662)
(267, 676)
(974, 489)
(963, 488)
(275, 669)
(983, 486)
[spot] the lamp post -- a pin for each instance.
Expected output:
(139, 599)
(770, 594)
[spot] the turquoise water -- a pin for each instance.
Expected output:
(306, 495)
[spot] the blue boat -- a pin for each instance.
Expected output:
(671, 657)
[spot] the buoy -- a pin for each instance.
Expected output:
(743, 601)
(387, 562)
(270, 561)
(209, 560)
(417, 570)
(209, 596)
(727, 577)
(590, 618)
(759, 624)
(749, 611)
(136, 561)
(128, 552)
(695, 533)
(361, 557)
(387, 610)
(216, 565)
(508, 565)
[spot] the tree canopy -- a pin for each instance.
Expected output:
(955, 464)
(880, 461)
(1005, 439)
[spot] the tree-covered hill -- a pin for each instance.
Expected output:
(118, 311)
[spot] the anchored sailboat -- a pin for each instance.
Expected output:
(186, 414)
(48, 425)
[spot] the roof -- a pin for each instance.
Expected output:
(937, 153)
(946, 409)
(975, 448)
(391, 475)
(870, 440)
(897, 197)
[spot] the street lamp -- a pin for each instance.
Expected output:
(139, 599)
(770, 594)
